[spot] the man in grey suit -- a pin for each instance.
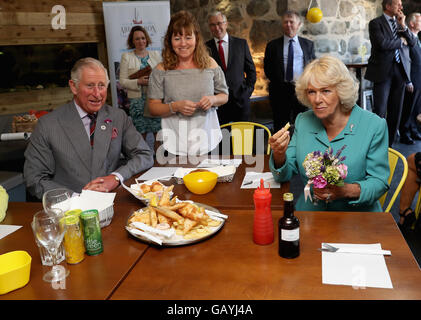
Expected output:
(78, 145)
(233, 56)
(412, 101)
(388, 65)
(284, 61)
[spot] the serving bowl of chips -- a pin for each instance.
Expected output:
(174, 222)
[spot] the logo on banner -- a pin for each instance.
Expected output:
(137, 20)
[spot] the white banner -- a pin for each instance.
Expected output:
(119, 18)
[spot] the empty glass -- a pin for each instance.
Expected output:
(59, 198)
(49, 230)
(46, 259)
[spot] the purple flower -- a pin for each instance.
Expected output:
(108, 120)
(319, 182)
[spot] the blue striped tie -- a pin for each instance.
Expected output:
(395, 36)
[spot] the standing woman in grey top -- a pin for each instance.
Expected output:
(185, 89)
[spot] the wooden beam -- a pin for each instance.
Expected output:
(44, 19)
(47, 5)
(11, 34)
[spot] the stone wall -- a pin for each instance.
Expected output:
(343, 31)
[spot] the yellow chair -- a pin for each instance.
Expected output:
(242, 134)
(394, 157)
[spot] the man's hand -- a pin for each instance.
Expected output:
(400, 18)
(103, 184)
(410, 87)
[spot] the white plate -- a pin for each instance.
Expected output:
(178, 240)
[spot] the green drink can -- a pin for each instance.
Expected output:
(91, 232)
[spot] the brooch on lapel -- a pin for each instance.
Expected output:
(106, 121)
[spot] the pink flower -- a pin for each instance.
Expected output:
(319, 182)
(343, 170)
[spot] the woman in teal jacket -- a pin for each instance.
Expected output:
(329, 89)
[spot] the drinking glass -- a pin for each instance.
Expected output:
(49, 229)
(57, 199)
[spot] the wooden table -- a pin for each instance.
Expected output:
(226, 195)
(231, 266)
(96, 277)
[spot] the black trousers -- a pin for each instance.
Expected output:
(388, 99)
(410, 109)
(285, 105)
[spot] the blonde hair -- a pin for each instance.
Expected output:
(328, 71)
(183, 22)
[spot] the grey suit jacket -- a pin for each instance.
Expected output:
(59, 153)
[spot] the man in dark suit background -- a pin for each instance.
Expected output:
(388, 66)
(78, 145)
(412, 100)
(284, 61)
(233, 56)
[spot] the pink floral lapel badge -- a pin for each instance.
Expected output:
(115, 133)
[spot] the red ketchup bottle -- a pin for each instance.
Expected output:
(263, 223)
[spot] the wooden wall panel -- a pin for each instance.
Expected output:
(18, 102)
(29, 22)
(24, 22)
(12, 35)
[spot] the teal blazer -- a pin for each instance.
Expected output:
(366, 151)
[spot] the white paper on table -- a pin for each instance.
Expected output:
(220, 162)
(5, 230)
(357, 270)
(157, 172)
(255, 178)
(88, 200)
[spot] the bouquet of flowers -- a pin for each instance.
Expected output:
(324, 168)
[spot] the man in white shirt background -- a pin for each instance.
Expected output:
(284, 61)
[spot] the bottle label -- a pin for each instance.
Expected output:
(290, 235)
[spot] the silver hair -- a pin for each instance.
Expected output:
(290, 13)
(217, 13)
(411, 17)
(76, 71)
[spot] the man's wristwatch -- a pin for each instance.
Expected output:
(116, 178)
